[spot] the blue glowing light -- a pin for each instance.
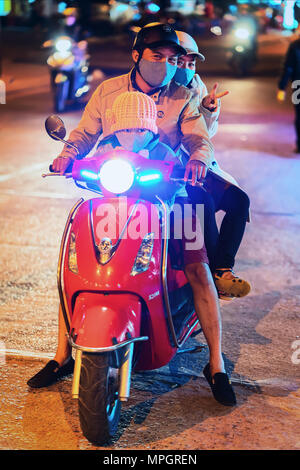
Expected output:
(150, 177)
(289, 21)
(5, 7)
(61, 7)
(153, 8)
(90, 175)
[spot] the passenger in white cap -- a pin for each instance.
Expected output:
(221, 191)
(209, 103)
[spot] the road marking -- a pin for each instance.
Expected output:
(271, 382)
(275, 214)
(23, 171)
(38, 194)
(27, 354)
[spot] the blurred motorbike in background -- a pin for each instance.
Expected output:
(242, 55)
(69, 68)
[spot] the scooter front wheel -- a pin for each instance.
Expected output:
(99, 405)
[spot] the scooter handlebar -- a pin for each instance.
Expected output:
(55, 173)
(181, 180)
(52, 172)
(177, 176)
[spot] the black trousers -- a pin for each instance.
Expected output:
(297, 125)
(222, 246)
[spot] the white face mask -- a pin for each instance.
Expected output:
(133, 140)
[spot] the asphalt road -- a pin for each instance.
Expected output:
(260, 332)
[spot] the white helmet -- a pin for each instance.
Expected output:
(189, 44)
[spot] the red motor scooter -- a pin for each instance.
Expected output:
(126, 307)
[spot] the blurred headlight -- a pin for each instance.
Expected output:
(216, 30)
(63, 45)
(242, 33)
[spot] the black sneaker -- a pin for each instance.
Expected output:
(51, 373)
(220, 386)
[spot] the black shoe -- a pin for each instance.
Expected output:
(51, 373)
(220, 387)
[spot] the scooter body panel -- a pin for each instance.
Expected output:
(115, 276)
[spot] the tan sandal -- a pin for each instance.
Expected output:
(223, 296)
(234, 287)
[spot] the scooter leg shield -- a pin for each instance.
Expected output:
(104, 320)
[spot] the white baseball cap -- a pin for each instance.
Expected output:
(189, 44)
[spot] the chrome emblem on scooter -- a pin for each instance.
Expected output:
(104, 247)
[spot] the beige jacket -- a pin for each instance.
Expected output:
(199, 90)
(178, 119)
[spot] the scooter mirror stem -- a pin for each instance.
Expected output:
(56, 130)
(65, 142)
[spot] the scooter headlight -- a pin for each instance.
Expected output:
(72, 260)
(143, 257)
(116, 176)
(242, 33)
(63, 45)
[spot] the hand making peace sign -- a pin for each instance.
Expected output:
(210, 101)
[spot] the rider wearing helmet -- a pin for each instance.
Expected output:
(155, 54)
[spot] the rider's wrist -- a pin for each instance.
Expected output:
(197, 160)
(209, 108)
(212, 110)
(67, 157)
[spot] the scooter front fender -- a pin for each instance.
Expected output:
(103, 322)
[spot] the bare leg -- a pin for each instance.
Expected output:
(207, 308)
(64, 350)
(50, 373)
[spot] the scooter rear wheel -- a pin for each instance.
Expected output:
(99, 405)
